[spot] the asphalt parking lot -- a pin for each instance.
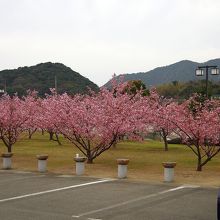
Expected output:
(25, 196)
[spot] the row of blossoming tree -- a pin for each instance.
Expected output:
(94, 123)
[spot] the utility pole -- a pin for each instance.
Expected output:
(55, 83)
(5, 86)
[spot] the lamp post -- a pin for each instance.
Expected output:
(200, 72)
(55, 83)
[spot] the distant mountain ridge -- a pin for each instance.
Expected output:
(182, 71)
(41, 77)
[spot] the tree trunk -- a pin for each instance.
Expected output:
(90, 160)
(57, 139)
(9, 148)
(199, 166)
(51, 136)
(165, 143)
(29, 133)
(164, 136)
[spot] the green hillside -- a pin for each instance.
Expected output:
(183, 71)
(41, 77)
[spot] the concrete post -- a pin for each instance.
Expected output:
(42, 163)
(80, 164)
(7, 160)
(122, 168)
(169, 171)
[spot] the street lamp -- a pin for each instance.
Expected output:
(2, 91)
(215, 71)
(200, 72)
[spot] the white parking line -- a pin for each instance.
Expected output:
(54, 190)
(133, 200)
(94, 219)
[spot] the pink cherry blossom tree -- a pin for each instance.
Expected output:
(13, 119)
(160, 116)
(44, 123)
(198, 124)
(32, 105)
(94, 122)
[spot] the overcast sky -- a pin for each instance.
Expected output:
(98, 38)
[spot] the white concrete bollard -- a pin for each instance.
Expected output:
(80, 164)
(42, 163)
(122, 168)
(169, 171)
(7, 160)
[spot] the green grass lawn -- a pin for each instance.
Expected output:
(145, 160)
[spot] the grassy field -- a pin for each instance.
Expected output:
(145, 160)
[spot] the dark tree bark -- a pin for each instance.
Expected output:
(51, 135)
(164, 136)
(31, 132)
(56, 137)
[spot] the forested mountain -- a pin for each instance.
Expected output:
(41, 77)
(183, 71)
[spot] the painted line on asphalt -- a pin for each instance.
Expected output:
(54, 190)
(133, 200)
(94, 219)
